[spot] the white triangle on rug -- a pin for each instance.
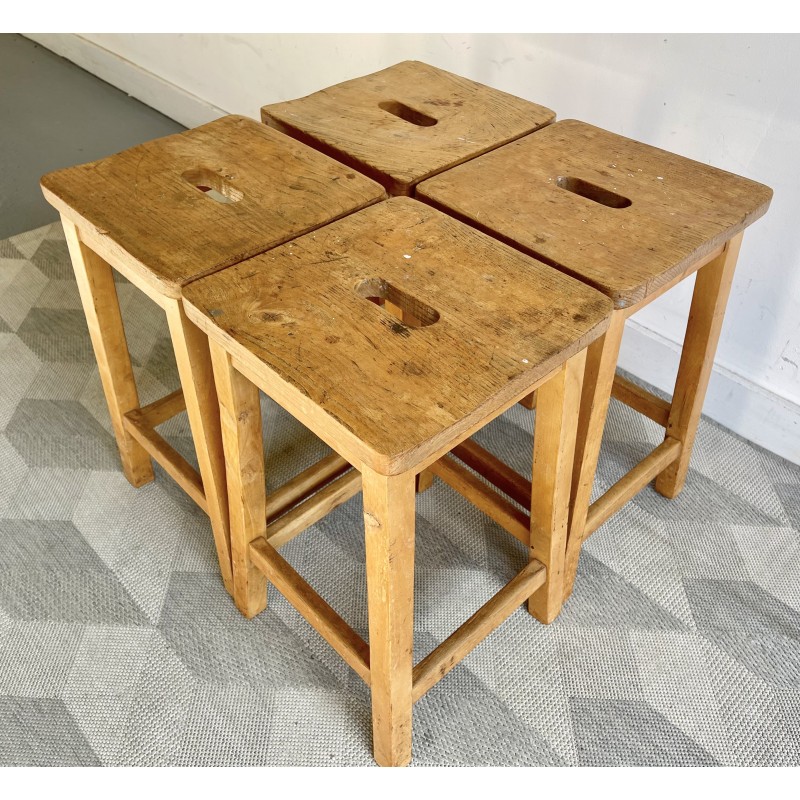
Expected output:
(30, 241)
(636, 545)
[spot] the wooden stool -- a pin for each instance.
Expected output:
(316, 326)
(632, 221)
(162, 214)
(406, 123)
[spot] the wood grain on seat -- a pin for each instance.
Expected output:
(406, 123)
(625, 217)
(186, 205)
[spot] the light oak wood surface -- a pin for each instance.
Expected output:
(514, 520)
(549, 192)
(406, 123)
(299, 312)
(146, 199)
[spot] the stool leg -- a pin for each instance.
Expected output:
(424, 481)
(711, 290)
(240, 417)
(529, 402)
(101, 307)
(197, 380)
(601, 364)
(389, 531)
(557, 405)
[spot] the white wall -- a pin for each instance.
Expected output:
(728, 100)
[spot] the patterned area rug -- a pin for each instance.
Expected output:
(119, 646)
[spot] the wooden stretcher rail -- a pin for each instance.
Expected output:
(641, 400)
(497, 472)
(504, 513)
(179, 469)
(314, 509)
(489, 616)
(154, 414)
(339, 635)
(304, 484)
(631, 484)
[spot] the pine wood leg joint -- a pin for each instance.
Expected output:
(389, 519)
(554, 445)
(529, 401)
(601, 364)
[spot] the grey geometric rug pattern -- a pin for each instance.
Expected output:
(119, 645)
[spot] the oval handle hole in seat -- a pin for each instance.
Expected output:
(593, 192)
(407, 113)
(412, 312)
(212, 185)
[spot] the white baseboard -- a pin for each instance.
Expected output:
(751, 411)
(168, 98)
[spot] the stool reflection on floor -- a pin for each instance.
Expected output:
(393, 335)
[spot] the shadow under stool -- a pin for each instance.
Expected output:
(313, 326)
(632, 221)
(163, 214)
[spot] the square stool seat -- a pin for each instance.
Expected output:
(407, 122)
(162, 214)
(189, 204)
(482, 322)
(393, 334)
(620, 215)
(632, 221)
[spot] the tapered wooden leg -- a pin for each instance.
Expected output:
(557, 405)
(711, 290)
(424, 481)
(197, 380)
(389, 530)
(601, 364)
(529, 401)
(101, 307)
(240, 416)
